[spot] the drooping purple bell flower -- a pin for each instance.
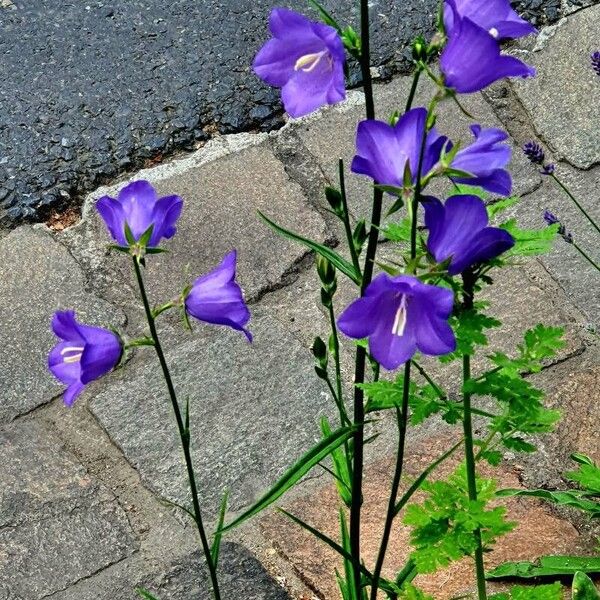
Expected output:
(472, 59)
(383, 150)
(400, 316)
(217, 298)
(459, 231)
(305, 59)
(486, 159)
(139, 206)
(84, 354)
(495, 16)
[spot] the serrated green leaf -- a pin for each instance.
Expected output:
(584, 588)
(295, 473)
(588, 477)
(461, 189)
(340, 263)
(546, 566)
(539, 592)
(500, 206)
(530, 242)
(398, 232)
(145, 594)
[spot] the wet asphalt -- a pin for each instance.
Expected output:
(90, 89)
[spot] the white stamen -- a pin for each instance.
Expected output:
(309, 62)
(400, 319)
(494, 32)
(72, 358)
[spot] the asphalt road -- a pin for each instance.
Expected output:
(91, 88)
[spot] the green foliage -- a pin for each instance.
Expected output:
(216, 545)
(523, 410)
(584, 588)
(145, 594)
(469, 327)
(410, 592)
(572, 498)
(538, 592)
(341, 469)
(423, 400)
(460, 189)
(500, 206)
(530, 242)
(444, 524)
(587, 476)
(398, 232)
(546, 566)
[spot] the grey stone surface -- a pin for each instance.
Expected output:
(331, 134)
(57, 525)
(254, 410)
(37, 277)
(575, 275)
(185, 578)
(560, 100)
(221, 200)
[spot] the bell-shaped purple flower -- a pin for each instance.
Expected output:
(84, 354)
(383, 150)
(139, 206)
(305, 59)
(495, 16)
(217, 298)
(486, 159)
(400, 316)
(472, 59)
(459, 231)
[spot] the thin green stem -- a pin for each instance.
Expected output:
(401, 417)
(585, 255)
(346, 217)
(413, 89)
(566, 190)
(184, 433)
(361, 353)
(469, 283)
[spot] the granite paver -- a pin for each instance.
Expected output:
(37, 277)
(57, 525)
(560, 99)
(254, 409)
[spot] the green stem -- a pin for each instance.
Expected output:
(469, 283)
(184, 433)
(346, 217)
(576, 202)
(361, 353)
(413, 89)
(402, 421)
(585, 255)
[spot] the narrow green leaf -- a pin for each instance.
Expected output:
(155, 250)
(129, 235)
(145, 237)
(547, 566)
(340, 263)
(216, 545)
(348, 566)
(295, 473)
(325, 16)
(340, 465)
(145, 594)
(567, 498)
(584, 588)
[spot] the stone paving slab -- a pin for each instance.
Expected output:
(37, 276)
(254, 410)
(561, 99)
(221, 200)
(240, 576)
(331, 134)
(57, 525)
(574, 274)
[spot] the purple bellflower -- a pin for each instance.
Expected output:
(485, 159)
(305, 59)
(400, 316)
(217, 298)
(495, 16)
(384, 150)
(459, 231)
(139, 206)
(595, 58)
(84, 354)
(472, 59)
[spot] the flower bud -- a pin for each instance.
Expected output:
(326, 271)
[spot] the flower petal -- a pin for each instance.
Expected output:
(487, 244)
(67, 372)
(114, 217)
(138, 200)
(65, 326)
(72, 393)
(101, 354)
(164, 216)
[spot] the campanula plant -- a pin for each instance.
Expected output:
(138, 221)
